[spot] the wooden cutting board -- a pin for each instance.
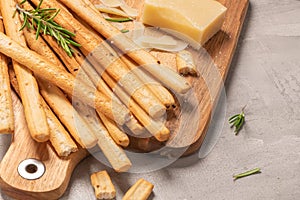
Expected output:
(55, 180)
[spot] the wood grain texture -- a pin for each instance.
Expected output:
(213, 62)
(58, 171)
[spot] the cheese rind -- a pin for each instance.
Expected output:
(194, 20)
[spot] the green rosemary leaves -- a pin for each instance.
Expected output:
(237, 121)
(42, 20)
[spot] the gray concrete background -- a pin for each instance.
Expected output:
(265, 75)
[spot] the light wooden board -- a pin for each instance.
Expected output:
(52, 185)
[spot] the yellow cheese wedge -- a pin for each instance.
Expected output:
(195, 21)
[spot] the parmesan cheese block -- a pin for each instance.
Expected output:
(195, 21)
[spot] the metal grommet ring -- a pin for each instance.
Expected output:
(31, 169)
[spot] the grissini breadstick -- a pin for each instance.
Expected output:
(104, 188)
(29, 92)
(59, 137)
(70, 62)
(157, 129)
(75, 68)
(108, 59)
(48, 71)
(41, 46)
(56, 98)
(135, 126)
(86, 10)
(157, 89)
(117, 135)
(132, 124)
(75, 65)
(114, 154)
(141, 190)
(130, 83)
(78, 128)
(6, 109)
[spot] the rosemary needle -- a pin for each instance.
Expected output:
(42, 20)
(124, 31)
(118, 19)
(248, 173)
(237, 121)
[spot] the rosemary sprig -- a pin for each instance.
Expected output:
(42, 20)
(120, 20)
(237, 121)
(248, 173)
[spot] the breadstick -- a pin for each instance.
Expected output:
(56, 99)
(118, 136)
(114, 154)
(59, 137)
(108, 59)
(157, 89)
(86, 11)
(70, 62)
(6, 109)
(157, 129)
(132, 124)
(46, 70)
(29, 92)
(75, 69)
(73, 121)
(104, 188)
(185, 63)
(135, 126)
(41, 46)
(141, 190)
(77, 63)
(113, 66)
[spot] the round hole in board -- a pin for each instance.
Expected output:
(31, 168)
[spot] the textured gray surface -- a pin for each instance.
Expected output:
(265, 75)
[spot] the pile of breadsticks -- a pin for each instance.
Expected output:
(46, 78)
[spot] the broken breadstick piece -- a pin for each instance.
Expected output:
(185, 63)
(104, 189)
(141, 190)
